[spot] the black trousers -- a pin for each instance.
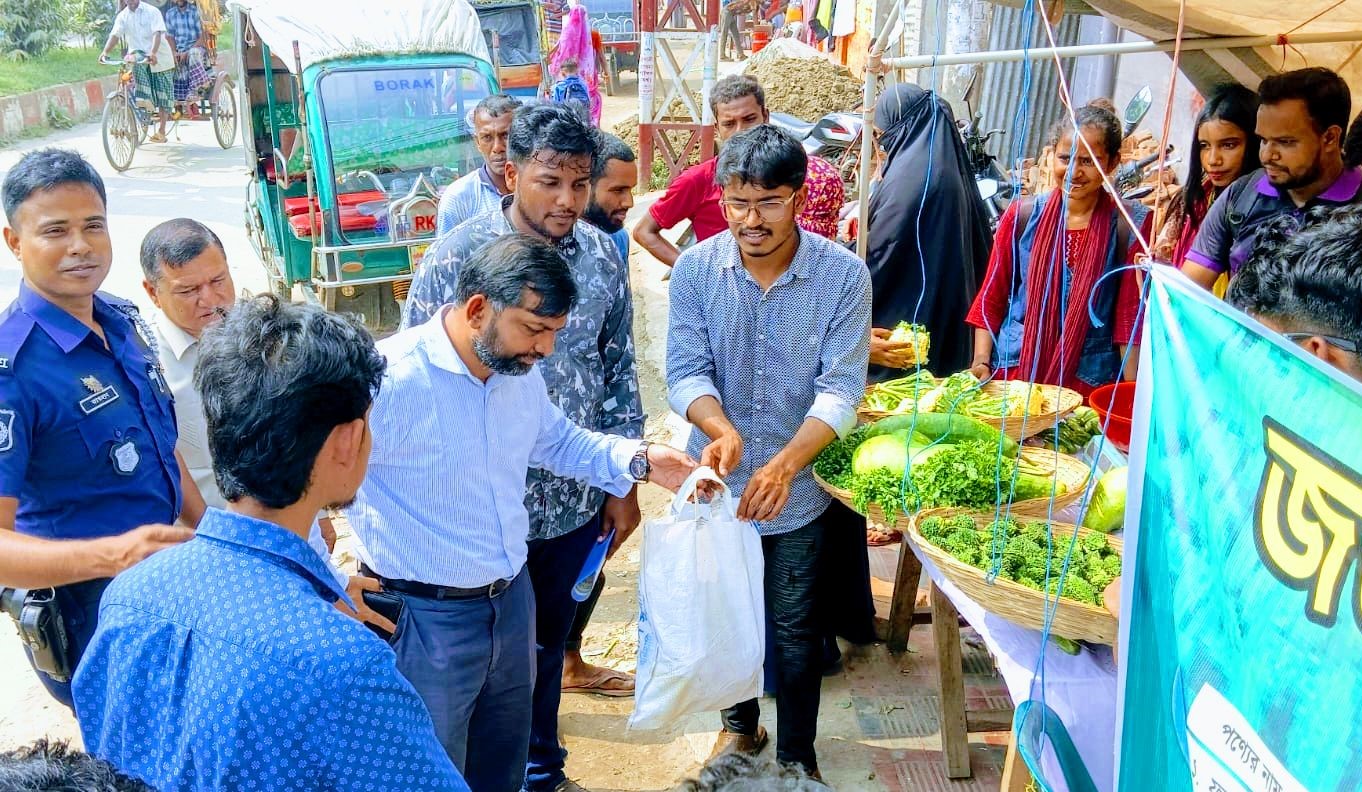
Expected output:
(793, 563)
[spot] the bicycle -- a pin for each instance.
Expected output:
(126, 119)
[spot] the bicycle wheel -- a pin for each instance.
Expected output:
(119, 129)
(224, 112)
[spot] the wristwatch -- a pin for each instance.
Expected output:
(638, 466)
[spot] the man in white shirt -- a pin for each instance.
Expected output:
(185, 273)
(462, 416)
(143, 29)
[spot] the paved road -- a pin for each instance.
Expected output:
(193, 177)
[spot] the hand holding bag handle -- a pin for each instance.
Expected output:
(723, 499)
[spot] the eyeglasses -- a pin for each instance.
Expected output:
(1333, 341)
(769, 211)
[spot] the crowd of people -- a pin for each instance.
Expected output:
(173, 481)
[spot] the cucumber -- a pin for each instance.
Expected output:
(1030, 487)
(946, 427)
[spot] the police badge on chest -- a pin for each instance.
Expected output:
(125, 458)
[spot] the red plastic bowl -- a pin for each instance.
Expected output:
(1115, 404)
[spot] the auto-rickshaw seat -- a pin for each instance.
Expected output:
(350, 220)
(298, 205)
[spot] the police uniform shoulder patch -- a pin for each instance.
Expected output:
(129, 310)
(15, 327)
(6, 430)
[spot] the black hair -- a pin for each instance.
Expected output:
(766, 156)
(734, 87)
(1325, 94)
(276, 378)
(611, 148)
(1233, 104)
(512, 264)
(496, 106)
(1091, 116)
(174, 244)
(549, 127)
(735, 772)
(1310, 278)
(49, 766)
(47, 169)
(1352, 144)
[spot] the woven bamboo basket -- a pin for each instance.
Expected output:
(1071, 472)
(1018, 604)
(1056, 403)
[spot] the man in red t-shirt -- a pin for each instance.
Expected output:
(739, 104)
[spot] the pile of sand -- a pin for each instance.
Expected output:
(807, 88)
(627, 130)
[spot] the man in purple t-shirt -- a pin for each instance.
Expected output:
(1302, 116)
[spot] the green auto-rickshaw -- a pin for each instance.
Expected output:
(355, 116)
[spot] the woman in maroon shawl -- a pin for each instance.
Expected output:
(1050, 261)
(1225, 149)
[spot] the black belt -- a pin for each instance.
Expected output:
(429, 591)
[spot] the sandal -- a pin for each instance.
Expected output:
(605, 682)
(879, 536)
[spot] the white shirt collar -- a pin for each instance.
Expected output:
(177, 340)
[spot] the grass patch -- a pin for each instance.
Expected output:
(57, 67)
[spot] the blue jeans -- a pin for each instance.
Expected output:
(472, 662)
(553, 566)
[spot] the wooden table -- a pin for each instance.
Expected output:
(956, 720)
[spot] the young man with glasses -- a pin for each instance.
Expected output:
(766, 357)
(1307, 284)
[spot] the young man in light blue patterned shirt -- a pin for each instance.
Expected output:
(766, 357)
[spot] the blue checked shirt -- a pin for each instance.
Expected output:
(590, 375)
(772, 359)
(472, 195)
(184, 25)
(222, 664)
(444, 500)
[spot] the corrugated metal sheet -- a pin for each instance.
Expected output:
(1004, 84)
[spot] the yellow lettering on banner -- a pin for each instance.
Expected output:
(1308, 517)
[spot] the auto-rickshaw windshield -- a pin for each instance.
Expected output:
(394, 124)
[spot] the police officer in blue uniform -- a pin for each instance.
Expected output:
(90, 483)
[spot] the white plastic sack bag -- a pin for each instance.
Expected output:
(701, 625)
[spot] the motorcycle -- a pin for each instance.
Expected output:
(836, 137)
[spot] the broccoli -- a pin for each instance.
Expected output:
(934, 529)
(1021, 556)
(1029, 583)
(1112, 565)
(1075, 588)
(966, 545)
(962, 522)
(1037, 532)
(1093, 542)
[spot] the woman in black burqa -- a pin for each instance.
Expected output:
(929, 234)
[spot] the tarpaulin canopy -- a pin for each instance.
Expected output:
(329, 29)
(1158, 20)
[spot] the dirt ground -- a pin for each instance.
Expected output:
(879, 726)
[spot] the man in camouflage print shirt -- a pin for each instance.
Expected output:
(590, 376)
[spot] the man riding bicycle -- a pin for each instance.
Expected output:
(186, 29)
(143, 31)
